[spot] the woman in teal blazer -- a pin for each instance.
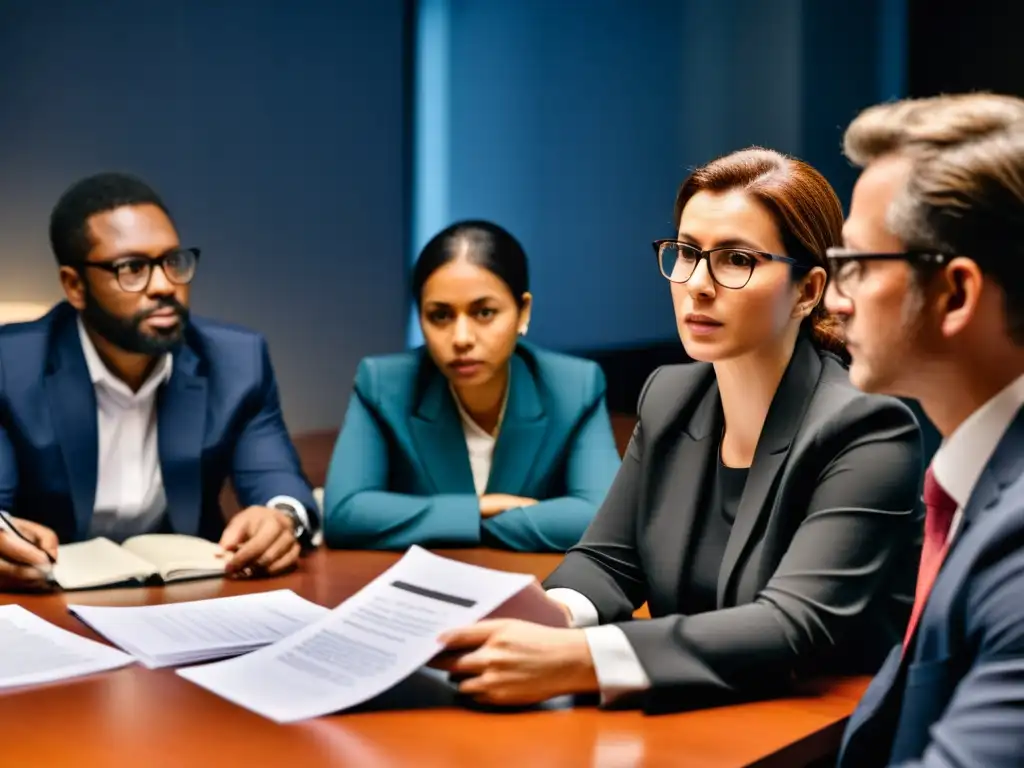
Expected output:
(477, 437)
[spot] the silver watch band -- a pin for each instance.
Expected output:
(298, 527)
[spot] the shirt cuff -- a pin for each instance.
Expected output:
(300, 510)
(584, 614)
(619, 672)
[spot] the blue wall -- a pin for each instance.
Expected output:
(275, 131)
(574, 127)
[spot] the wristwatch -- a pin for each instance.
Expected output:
(298, 526)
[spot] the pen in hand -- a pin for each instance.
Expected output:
(7, 525)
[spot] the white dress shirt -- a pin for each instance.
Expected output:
(957, 465)
(619, 671)
(962, 457)
(130, 497)
(479, 443)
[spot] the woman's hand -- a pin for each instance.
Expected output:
(493, 504)
(515, 662)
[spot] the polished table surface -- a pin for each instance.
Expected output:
(140, 717)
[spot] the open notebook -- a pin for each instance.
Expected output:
(163, 557)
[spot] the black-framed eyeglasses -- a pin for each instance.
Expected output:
(729, 267)
(848, 265)
(134, 272)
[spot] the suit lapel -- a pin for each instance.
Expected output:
(72, 401)
(181, 426)
(522, 433)
(440, 442)
(780, 427)
(681, 448)
(695, 455)
(1005, 466)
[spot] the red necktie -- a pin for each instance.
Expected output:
(939, 510)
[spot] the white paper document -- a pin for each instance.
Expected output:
(373, 640)
(201, 630)
(36, 651)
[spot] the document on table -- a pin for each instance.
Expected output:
(370, 642)
(201, 630)
(36, 651)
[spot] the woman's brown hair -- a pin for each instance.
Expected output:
(802, 203)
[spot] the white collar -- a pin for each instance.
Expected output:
(471, 422)
(99, 374)
(962, 457)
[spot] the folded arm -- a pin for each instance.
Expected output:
(557, 524)
(360, 512)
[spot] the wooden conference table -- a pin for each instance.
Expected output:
(140, 717)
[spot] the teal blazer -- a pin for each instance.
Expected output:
(400, 472)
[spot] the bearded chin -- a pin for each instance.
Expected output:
(127, 334)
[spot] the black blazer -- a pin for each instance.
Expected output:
(819, 570)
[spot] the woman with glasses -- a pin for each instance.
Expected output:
(478, 437)
(765, 510)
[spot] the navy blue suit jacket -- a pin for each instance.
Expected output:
(217, 416)
(957, 697)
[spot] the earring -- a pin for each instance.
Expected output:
(524, 329)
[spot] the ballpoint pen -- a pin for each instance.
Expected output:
(8, 525)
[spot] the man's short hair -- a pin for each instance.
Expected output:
(69, 221)
(965, 191)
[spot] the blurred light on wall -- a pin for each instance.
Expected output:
(430, 198)
(22, 311)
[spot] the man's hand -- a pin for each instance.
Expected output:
(516, 662)
(22, 565)
(495, 503)
(263, 542)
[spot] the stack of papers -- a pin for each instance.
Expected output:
(202, 630)
(373, 640)
(36, 651)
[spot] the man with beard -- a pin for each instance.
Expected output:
(120, 415)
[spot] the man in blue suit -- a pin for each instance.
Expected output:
(931, 286)
(121, 416)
